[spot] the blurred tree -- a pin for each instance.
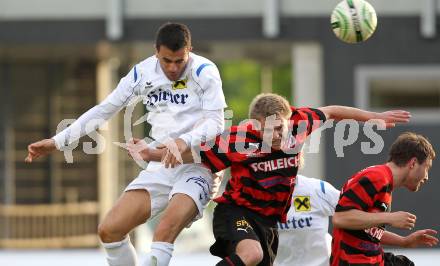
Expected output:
(282, 81)
(241, 82)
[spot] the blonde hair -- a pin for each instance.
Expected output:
(267, 104)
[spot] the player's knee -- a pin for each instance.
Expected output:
(104, 233)
(166, 231)
(107, 234)
(174, 220)
(251, 254)
(256, 255)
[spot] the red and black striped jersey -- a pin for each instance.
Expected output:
(262, 179)
(368, 190)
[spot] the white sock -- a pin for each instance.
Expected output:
(160, 254)
(121, 253)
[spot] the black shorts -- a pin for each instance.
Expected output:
(232, 224)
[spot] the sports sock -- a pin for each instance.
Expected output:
(120, 253)
(160, 255)
(231, 260)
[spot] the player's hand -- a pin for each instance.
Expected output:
(421, 238)
(219, 175)
(173, 155)
(390, 118)
(138, 150)
(217, 178)
(39, 149)
(402, 220)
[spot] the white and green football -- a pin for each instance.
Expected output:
(354, 21)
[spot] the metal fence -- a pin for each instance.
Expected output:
(49, 226)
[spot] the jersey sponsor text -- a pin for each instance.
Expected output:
(281, 163)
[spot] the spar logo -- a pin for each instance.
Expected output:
(243, 225)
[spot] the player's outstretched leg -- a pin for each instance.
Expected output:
(131, 210)
(180, 211)
(247, 252)
(250, 251)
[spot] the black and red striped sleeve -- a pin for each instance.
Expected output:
(305, 120)
(219, 154)
(383, 195)
(368, 191)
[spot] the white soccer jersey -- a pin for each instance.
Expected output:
(303, 239)
(191, 107)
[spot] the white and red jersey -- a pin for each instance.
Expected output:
(304, 238)
(190, 108)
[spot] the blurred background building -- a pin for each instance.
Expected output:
(59, 58)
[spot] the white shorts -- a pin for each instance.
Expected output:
(193, 180)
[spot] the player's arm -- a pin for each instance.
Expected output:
(419, 238)
(215, 154)
(212, 123)
(355, 219)
(212, 102)
(359, 197)
(87, 122)
(392, 239)
(338, 112)
(139, 150)
(329, 196)
(171, 159)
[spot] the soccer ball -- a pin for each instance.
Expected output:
(354, 21)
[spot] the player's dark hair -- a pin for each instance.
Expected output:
(409, 145)
(174, 36)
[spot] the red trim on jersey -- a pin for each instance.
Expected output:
(266, 191)
(368, 190)
(229, 261)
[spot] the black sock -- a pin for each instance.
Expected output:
(231, 260)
